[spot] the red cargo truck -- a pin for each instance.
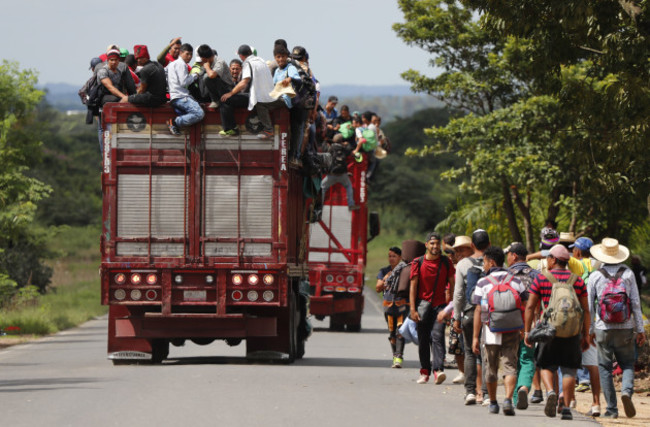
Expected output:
(337, 253)
(201, 237)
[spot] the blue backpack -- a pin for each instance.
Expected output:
(474, 274)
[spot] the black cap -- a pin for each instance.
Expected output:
(518, 249)
(480, 239)
(245, 50)
(299, 53)
(333, 98)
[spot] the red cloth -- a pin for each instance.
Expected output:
(427, 275)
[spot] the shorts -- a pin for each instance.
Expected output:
(564, 352)
(507, 353)
(590, 356)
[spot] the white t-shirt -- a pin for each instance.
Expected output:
(262, 80)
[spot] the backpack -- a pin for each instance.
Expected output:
(339, 159)
(371, 140)
(614, 304)
(474, 273)
(563, 310)
(394, 280)
(346, 130)
(305, 90)
(523, 275)
(505, 312)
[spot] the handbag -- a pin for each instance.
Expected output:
(543, 331)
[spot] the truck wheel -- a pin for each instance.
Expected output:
(337, 323)
(354, 327)
(159, 350)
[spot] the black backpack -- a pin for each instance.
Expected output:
(339, 159)
(474, 273)
(91, 95)
(305, 90)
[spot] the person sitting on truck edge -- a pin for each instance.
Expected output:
(152, 91)
(235, 70)
(338, 173)
(178, 79)
(170, 52)
(395, 306)
(216, 80)
(256, 73)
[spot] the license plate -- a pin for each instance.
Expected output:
(194, 295)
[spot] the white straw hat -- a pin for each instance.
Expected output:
(609, 251)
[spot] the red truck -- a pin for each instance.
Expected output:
(203, 237)
(337, 253)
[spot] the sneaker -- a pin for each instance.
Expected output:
(354, 208)
(459, 379)
(583, 387)
(229, 132)
(494, 408)
(172, 127)
(397, 362)
(486, 401)
(213, 105)
(551, 404)
(610, 415)
(508, 409)
(566, 414)
(538, 397)
(265, 135)
(439, 377)
(594, 411)
(522, 398)
(628, 406)
(470, 399)
(573, 404)
(424, 377)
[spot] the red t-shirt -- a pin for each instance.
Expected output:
(427, 275)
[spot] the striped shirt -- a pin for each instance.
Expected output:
(543, 288)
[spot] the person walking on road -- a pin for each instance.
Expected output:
(617, 322)
(430, 275)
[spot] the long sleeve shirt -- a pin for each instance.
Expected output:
(179, 79)
(595, 287)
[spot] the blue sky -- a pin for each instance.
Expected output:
(349, 41)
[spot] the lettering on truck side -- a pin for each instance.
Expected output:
(362, 190)
(107, 151)
(283, 152)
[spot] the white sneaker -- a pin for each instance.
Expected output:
(423, 379)
(486, 401)
(470, 399)
(440, 378)
(460, 379)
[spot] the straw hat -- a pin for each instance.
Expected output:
(567, 237)
(462, 241)
(609, 251)
(380, 153)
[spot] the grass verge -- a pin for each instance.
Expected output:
(74, 295)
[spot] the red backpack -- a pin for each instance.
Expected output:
(505, 311)
(614, 304)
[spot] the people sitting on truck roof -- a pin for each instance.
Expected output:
(152, 91)
(178, 80)
(235, 70)
(115, 79)
(103, 56)
(301, 111)
(273, 64)
(216, 81)
(170, 52)
(255, 68)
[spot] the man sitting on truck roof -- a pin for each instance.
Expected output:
(152, 91)
(178, 80)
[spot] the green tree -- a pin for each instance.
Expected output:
(20, 194)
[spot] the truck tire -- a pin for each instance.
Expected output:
(159, 350)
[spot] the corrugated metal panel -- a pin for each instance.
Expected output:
(157, 249)
(245, 140)
(230, 249)
(341, 228)
(167, 207)
(256, 198)
(124, 138)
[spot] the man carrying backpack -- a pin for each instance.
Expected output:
(468, 272)
(499, 300)
(563, 298)
(430, 275)
(614, 295)
(338, 173)
(516, 256)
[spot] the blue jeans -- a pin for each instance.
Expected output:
(425, 327)
(617, 343)
(189, 111)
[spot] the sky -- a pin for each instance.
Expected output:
(349, 41)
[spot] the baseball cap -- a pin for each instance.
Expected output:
(583, 243)
(517, 248)
(560, 252)
(299, 53)
(94, 62)
(124, 52)
(333, 99)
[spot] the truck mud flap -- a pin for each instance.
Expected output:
(327, 305)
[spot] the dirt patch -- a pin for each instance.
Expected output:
(9, 340)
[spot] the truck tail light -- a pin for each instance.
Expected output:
(341, 289)
(178, 279)
(136, 278)
(253, 279)
(339, 278)
(354, 289)
(152, 279)
(350, 279)
(136, 294)
(120, 294)
(268, 279)
(268, 296)
(120, 278)
(151, 294)
(252, 295)
(209, 279)
(328, 288)
(237, 279)
(237, 295)
(329, 278)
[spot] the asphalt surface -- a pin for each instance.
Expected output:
(344, 380)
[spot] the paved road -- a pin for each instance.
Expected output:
(344, 380)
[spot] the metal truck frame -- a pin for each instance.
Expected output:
(202, 237)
